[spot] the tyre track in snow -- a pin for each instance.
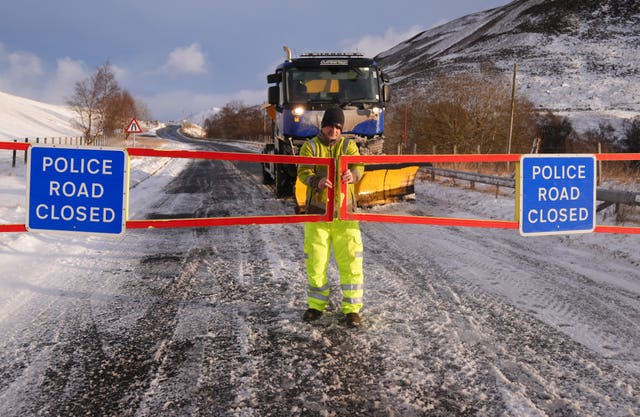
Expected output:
(431, 318)
(209, 324)
(255, 356)
(265, 361)
(595, 306)
(593, 299)
(211, 335)
(535, 366)
(483, 355)
(95, 361)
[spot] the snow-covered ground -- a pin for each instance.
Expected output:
(206, 321)
(23, 118)
(529, 326)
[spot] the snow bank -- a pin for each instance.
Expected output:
(24, 118)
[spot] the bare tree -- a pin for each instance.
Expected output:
(118, 110)
(631, 140)
(109, 93)
(236, 121)
(84, 103)
(91, 99)
(556, 133)
(462, 111)
(142, 110)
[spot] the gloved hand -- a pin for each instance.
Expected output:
(347, 176)
(324, 183)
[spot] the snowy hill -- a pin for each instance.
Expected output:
(24, 118)
(200, 117)
(578, 58)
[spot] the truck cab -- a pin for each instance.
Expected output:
(302, 88)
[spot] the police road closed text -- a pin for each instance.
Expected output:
(557, 194)
(77, 189)
(553, 215)
(92, 166)
(72, 189)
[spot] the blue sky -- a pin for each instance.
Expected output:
(182, 57)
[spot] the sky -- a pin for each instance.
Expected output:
(182, 58)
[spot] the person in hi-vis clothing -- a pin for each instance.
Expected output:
(343, 236)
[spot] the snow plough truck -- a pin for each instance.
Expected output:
(300, 90)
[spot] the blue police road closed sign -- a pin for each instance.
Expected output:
(557, 194)
(77, 189)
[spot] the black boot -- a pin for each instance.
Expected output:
(311, 315)
(353, 320)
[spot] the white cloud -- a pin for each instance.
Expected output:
(121, 74)
(68, 73)
(21, 72)
(371, 45)
(189, 60)
(25, 65)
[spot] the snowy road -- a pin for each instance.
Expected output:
(206, 321)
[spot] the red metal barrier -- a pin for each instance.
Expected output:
(17, 146)
(382, 159)
(211, 221)
(447, 221)
(229, 221)
(618, 156)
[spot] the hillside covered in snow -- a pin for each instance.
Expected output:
(577, 58)
(24, 118)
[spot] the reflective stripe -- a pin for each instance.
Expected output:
(358, 254)
(325, 287)
(352, 287)
(318, 296)
(353, 300)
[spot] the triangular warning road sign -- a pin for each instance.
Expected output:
(134, 126)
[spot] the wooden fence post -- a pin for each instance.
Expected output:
(599, 170)
(13, 162)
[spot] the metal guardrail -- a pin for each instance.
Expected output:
(472, 177)
(607, 196)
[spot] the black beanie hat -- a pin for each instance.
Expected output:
(333, 116)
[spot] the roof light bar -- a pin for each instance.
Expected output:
(320, 54)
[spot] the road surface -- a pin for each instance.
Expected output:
(207, 321)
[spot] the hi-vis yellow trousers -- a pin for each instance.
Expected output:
(346, 239)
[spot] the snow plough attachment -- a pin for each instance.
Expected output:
(303, 88)
(380, 184)
(384, 184)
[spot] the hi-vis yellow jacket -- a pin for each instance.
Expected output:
(310, 175)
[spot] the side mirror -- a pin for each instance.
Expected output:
(386, 93)
(274, 95)
(274, 78)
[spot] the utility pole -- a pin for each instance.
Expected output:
(513, 109)
(406, 125)
(513, 106)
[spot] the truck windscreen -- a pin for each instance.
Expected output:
(341, 85)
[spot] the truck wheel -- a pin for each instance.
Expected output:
(266, 176)
(284, 183)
